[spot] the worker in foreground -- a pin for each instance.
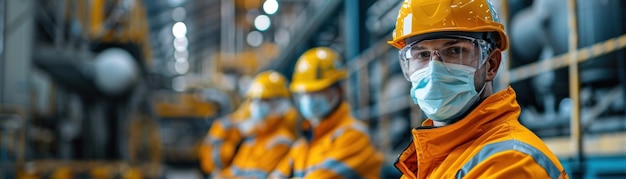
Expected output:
(270, 130)
(335, 144)
(221, 143)
(450, 51)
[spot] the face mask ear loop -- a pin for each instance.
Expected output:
(482, 89)
(334, 101)
(485, 77)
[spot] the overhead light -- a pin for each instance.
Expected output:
(180, 44)
(181, 66)
(179, 29)
(254, 38)
(270, 6)
(262, 22)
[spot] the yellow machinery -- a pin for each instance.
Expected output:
(185, 117)
(186, 105)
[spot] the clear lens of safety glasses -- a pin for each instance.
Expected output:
(453, 50)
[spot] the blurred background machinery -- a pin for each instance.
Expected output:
(582, 104)
(129, 88)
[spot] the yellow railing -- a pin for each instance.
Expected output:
(564, 60)
(574, 84)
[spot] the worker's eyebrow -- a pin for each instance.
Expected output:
(448, 43)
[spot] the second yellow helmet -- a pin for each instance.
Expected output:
(317, 69)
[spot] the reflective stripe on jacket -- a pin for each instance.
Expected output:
(488, 143)
(339, 148)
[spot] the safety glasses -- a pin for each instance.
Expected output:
(449, 50)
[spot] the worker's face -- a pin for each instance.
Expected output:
(314, 106)
(261, 112)
(272, 107)
(447, 75)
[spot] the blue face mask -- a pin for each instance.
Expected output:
(444, 92)
(261, 111)
(276, 108)
(314, 107)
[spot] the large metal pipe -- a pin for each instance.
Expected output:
(527, 35)
(2, 45)
(352, 43)
(18, 45)
(544, 24)
(16, 58)
(599, 21)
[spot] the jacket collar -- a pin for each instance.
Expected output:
(431, 145)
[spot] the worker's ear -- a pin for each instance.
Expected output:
(493, 64)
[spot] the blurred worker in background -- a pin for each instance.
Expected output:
(270, 130)
(222, 141)
(450, 51)
(335, 145)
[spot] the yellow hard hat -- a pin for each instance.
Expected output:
(317, 69)
(419, 17)
(268, 84)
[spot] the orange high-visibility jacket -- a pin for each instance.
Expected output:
(260, 153)
(221, 143)
(220, 146)
(488, 143)
(338, 148)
